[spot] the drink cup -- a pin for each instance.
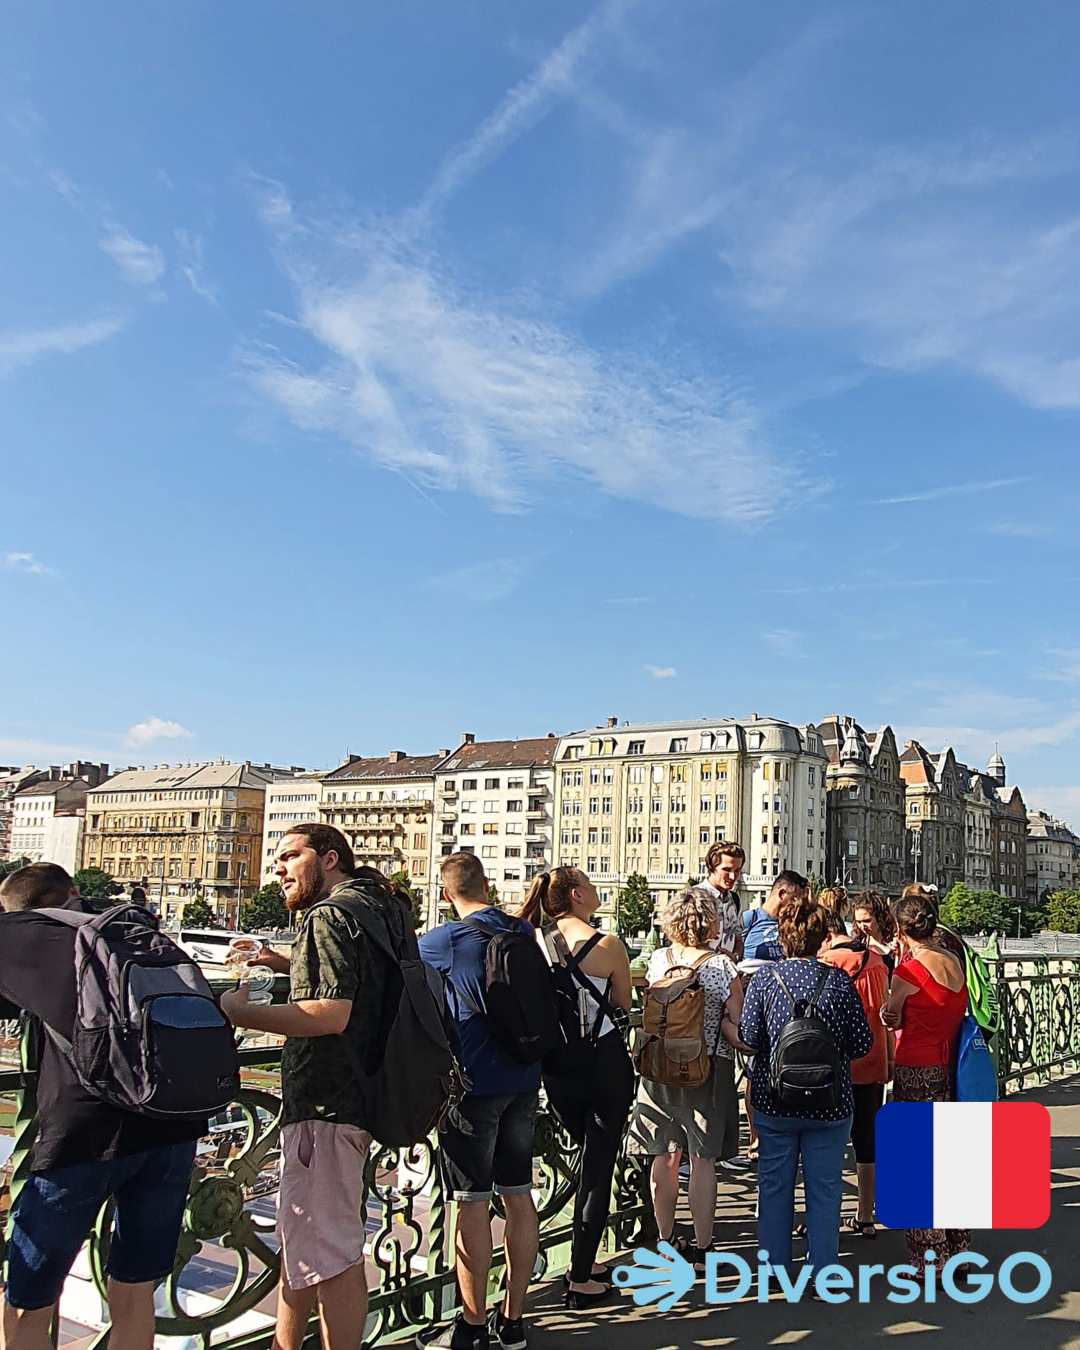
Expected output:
(259, 980)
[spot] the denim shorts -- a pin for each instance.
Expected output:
(487, 1145)
(56, 1210)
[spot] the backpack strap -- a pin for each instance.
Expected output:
(373, 926)
(811, 1002)
(555, 942)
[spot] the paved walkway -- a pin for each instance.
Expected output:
(996, 1322)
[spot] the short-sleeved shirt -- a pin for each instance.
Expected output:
(760, 929)
(867, 973)
(768, 1009)
(715, 977)
(458, 951)
(729, 912)
(334, 958)
(930, 1019)
(37, 976)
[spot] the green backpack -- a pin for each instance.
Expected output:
(982, 996)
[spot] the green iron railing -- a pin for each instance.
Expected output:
(410, 1219)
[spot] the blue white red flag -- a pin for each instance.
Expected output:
(963, 1165)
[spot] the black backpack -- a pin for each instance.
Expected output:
(520, 1013)
(413, 1075)
(149, 1036)
(805, 1067)
(573, 1052)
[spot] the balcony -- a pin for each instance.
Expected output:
(541, 814)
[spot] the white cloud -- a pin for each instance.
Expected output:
(26, 562)
(139, 263)
(464, 392)
(976, 744)
(155, 729)
(20, 349)
(783, 641)
(662, 672)
(1065, 671)
(954, 490)
(482, 583)
(1061, 802)
(192, 247)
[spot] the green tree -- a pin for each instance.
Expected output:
(493, 894)
(1062, 912)
(634, 906)
(265, 909)
(6, 868)
(415, 897)
(94, 884)
(971, 911)
(198, 914)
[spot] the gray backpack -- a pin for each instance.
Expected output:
(149, 1036)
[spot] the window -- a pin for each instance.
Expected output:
(467, 829)
(776, 834)
(512, 783)
(678, 745)
(706, 773)
(514, 875)
(677, 834)
(852, 793)
(513, 827)
(195, 815)
(764, 834)
(609, 774)
(222, 871)
(594, 806)
(654, 835)
(491, 784)
(765, 768)
(449, 787)
(594, 776)
(678, 803)
(593, 835)
(491, 827)
(853, 848)
(606, 806)
(633, 834)
(467, 808)
(678, 773)
(573, 752)
(636, 773)
(721, 802)
(703, 835)
(490, 808)
(810, 840)
(764, 803)
(657, 805)
(489, 851)
(776, 804)
(810, 806)
(605, 835)
(514, 804)
(811, 774)
(590, 865)
(635, 748)
(605, 864)
(913, 809)
(706, 803)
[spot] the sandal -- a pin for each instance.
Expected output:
(853, 1224)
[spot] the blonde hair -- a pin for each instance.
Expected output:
(551, 895)
(689, 918)
(834, 897)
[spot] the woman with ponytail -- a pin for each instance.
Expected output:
(591, 1098)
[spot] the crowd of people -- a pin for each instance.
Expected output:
(883, 991)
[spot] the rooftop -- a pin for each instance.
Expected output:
(538, 753)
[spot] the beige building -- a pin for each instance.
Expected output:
(287, 804)
(934, 851)
(650, 798)
(495, 799)
(385, 808)
(48, 818)
(865, 829)
(977, 793)
(1052, 852)
(182, 830)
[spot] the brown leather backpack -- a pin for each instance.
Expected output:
(672, 1049)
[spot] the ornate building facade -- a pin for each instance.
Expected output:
(865, 822)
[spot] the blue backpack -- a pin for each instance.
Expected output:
(976, 1080)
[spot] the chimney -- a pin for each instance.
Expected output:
(442, 754)
(753, 717)
(613, 721)
(396, 756)
(467, 738)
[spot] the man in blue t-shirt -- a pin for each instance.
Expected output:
(486, 1144)
(760, 929)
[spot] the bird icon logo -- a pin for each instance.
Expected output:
(656, 1275)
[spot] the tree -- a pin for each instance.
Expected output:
(198, 914)
(634, 906)
(971, 911)
(6, 868)
(1063, 912)
(493, 894)
(94, 884)
(265, 909)
(407, 890)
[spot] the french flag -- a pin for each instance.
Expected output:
(963, 1165)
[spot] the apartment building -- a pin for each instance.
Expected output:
(13, 780)
(287, 804)
(934, 845)
(978, 793)
(385, 808)
(1052, 853)
(496, 799)
(864, 834)
(651, 797)
(182, 830)
(48, 816)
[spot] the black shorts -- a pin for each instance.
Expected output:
(868, 1097)
(487, 1145)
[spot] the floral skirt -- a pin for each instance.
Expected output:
(928, 1083)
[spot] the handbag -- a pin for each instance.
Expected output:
(975, 1078)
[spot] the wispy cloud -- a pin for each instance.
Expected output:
(953, 490)
(21, 349)
(1066, 667)
(191, 248)
(1061, 802)
(977, 743)
(627, 600)
(153, 729)
(26, 562)
(662, 672)
(481, 583)
(139, 263)
(883, 584)
(468, 392)
(783, 641)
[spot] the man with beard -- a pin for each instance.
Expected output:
(338, 979)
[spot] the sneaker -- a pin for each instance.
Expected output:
(510, 1334)
(734, 1164)
(459, 1335)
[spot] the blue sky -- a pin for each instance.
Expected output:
(373, 373)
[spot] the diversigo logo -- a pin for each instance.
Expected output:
(940, 1165)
